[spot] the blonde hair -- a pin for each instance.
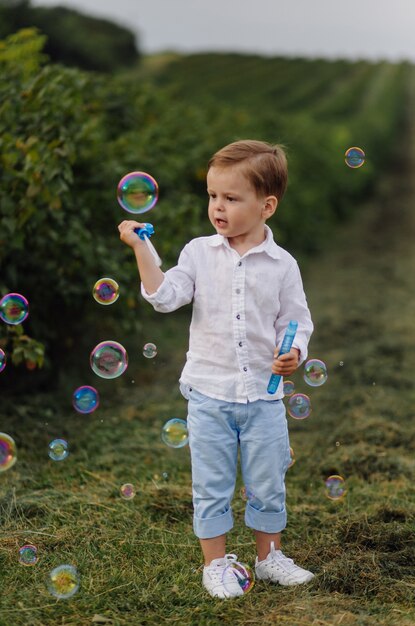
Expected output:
(265, 165)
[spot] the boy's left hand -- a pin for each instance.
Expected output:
(285, 364)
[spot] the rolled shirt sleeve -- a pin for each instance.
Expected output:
(177, 288)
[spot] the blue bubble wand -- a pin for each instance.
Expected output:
(145, 233)
(287, 342)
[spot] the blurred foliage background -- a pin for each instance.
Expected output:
(80, 107)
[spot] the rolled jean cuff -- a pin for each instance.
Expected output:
(265, 522)
(206, 528)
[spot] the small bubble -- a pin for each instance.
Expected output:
(299, 406)
(106, 291)
(127, 491)
(3, 360)
(354, 157)
(14, 308)
(63, 581)
(28, 555)
(335, 487)
(315, 373)
(58, 449)
(85, 399)
(174, 433)
(149, 350)
(288, 388)
(8, 452)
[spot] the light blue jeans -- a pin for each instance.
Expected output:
(216, 428)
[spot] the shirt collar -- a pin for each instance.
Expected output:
(268, 245)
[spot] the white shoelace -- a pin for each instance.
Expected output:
(279, 559)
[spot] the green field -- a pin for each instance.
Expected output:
(138, 560)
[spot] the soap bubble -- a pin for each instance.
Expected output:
(137, 192)
(174, 433)
(288, 388)
(335, 487)
(109, 359)
(315, 373)
(14, 308)
(85, 399)
(106, 291)
(127, 491)
(242, 573)
(3, 360)
(292, 458)
(354, 157)
(58, 449)
(149, 350)
(8, 452)
(28, 555)
(299, 406)
(63, 581)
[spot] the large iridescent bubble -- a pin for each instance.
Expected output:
(109, 359)
(174, 433)
(63, 581)
(85, 399)
(14, 308)
(137, 192)
(8, 453)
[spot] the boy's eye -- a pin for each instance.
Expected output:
(230, 199)
(211, 195)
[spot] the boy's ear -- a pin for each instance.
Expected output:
(270, 206)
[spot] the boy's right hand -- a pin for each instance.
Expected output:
(127, 234)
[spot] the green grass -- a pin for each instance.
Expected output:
(139, 560)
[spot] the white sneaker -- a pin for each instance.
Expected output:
(222, 582)
(278, 569)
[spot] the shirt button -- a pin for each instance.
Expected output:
(240, 263)
(245, 369)
(238, 317)
(238, 290)
(240, 344)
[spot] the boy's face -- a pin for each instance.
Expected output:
(234, 208)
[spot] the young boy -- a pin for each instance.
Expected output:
(245, 289)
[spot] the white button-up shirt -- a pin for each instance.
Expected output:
(241, 309)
